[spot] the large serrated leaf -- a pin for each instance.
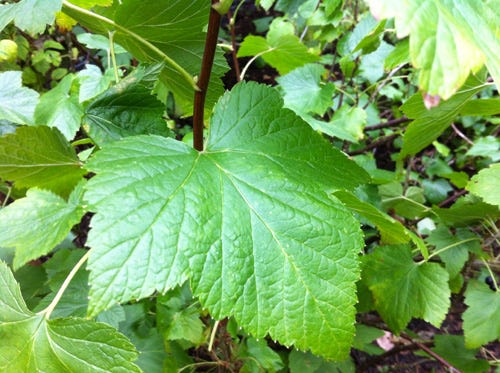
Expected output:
(39, 157)
(404, 289)
(247, 220)
(169, 31)
(34, 225)
(31, 343)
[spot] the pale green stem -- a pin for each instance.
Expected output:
(243, 72)
(7, 196)
(113, 55)
(437, 252)
(198, 365)
(82, 142)
(233, 18)
(138, 38)
(492, 275)
(212, 335)
(47, 311)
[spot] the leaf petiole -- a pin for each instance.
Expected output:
(492, 275)
(113, 55)
(47, 311)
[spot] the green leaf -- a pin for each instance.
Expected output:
(74, 301)
(259, 357)
(34, 225)
(39, 157)
(93, 82)
(281, 49)
(400, 55)
(404, 289)
(436, 191)
(30, 343)
(31, 16)
(482, 318)
(391, 230)
(178, 317)
(93, 41)
(429, 124)
(247, 219)
(152, 347)
(304, 91)
(481, 107)
(486, 184)
(59, 108)
(409, 205)
(449, 39)
(465, 212)
(169, 31)
(452, 348)
(17, 103)
(487, 146)
(348, 123)
(126, 109)
(32, 280)
(300, 362)
(454, 249)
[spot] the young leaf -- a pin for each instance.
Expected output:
(17, 103)
(281, 49)
(58, 108)
(404, 289)
(429, 124)
(36, 344)
(454, 249)
(127, 109)
(34, 225)
(39, 157)
(486, 146)
(247, 219)
(303, 91)
(486, 184)
(93, 82)
(482, 318)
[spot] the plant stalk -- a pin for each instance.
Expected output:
(47, 311)
(206, 69)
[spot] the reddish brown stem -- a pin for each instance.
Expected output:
(206, 69)
(232, 29)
